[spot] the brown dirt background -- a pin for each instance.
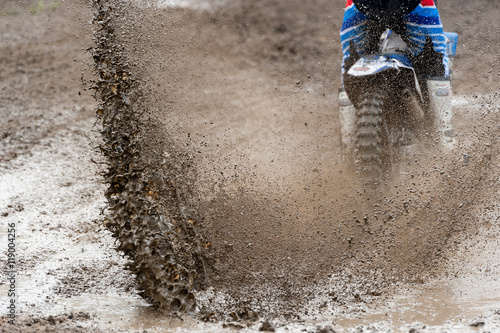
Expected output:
(248, 94)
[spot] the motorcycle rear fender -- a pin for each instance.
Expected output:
(374, 64)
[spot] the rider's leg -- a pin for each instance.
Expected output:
(353, 37)
(428, 46)
(425, 31)
(353, 32)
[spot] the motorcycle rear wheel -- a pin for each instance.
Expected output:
(369, 147)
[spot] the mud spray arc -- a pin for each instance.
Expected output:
(151, 240)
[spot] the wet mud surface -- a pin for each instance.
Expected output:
(242, 99)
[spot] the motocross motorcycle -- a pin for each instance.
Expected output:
(385, 105)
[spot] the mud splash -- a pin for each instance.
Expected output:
(277, 209)
(164, 249)
(72, 279)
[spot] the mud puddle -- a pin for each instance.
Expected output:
(58, 256)
(452, 305)
(85, 275)
(436, 306)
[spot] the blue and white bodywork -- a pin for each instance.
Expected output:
(373, 64)
(391, 70)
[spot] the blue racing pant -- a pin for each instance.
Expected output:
(423, 22)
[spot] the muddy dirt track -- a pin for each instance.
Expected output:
(242, 99)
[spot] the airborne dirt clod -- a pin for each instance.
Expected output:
(224, 184)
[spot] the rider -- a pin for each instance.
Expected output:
(417, 21)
